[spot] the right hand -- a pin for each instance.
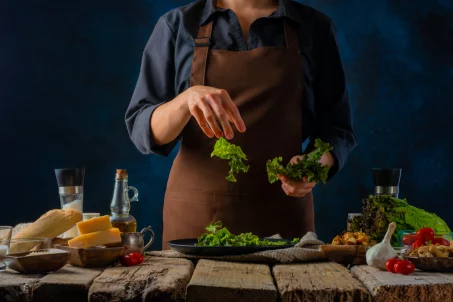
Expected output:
(214, 110)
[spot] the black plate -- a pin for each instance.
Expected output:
(187, 246)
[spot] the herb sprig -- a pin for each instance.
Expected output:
(234, 154)
(308, 166)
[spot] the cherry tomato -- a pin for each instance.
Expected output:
(390, 264)
(139, 257)
(420, 237)
(427, 233)
(131, 259)
(418, 244)
(441, 241)
(409, 239)
(404, 267)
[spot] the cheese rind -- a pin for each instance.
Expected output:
(97, 238)
(95, 224)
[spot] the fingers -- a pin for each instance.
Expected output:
(216, 104)
(296, 188)
(213, 109)
(232, 110)
(198, 114)
(297, 183)
(295, 192)
(296, 159)
(210, 117)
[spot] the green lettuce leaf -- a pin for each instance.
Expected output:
(308, 166)
(234, 154)
(380, 210)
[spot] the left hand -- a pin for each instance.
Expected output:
(296, 188)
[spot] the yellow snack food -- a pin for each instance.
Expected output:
(95, 224)
(97, 238)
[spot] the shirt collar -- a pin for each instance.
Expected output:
(285, 9)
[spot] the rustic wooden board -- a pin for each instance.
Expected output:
(420, 286)
(320, 282)
(157, 279)
(227, 281)
(15, 287)
(66, 285)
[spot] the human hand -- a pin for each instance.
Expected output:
(296, 188)
(214, 111)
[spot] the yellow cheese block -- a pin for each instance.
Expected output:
(96, 238)
(95, 224)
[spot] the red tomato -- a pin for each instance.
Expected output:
(131, 259)
(409, 239)
(139, 257)
(441, 241)
(427, 233)
(404, 267)
(418, 244)
(390, 264)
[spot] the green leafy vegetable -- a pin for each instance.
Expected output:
(308, 166)
(380, 210)
(233, 153)
(219, 236)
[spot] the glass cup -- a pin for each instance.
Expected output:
(5, 239)
(134, 241)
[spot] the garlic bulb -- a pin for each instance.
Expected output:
(378, 255)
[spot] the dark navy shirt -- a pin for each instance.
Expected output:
(167, 62)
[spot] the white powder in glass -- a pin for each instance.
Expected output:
(76, 205)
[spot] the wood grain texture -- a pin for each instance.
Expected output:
(157, 279)
(15, 287)
(66, 285)
(227, 281)
(419, 286)
(320, 282)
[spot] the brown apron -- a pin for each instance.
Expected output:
(266, 84)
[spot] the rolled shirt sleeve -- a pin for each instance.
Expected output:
(332, 105)
(154, 87)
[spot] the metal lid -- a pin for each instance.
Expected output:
(70, 177)
(386, 177)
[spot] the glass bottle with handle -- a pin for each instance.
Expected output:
(121, 203)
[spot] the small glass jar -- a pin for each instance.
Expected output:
(351, 216)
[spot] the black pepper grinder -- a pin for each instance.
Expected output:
(386, 181)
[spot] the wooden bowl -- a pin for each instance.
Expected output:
(37, 262)
(345, 254)
(96, 257)
(432, 264)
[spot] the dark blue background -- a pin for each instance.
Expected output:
(68, 70)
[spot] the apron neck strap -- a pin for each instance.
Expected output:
(291, 36)
(200, 54)
(203, 42)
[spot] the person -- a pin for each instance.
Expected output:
(264, 74)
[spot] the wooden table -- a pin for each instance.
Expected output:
(160, 279)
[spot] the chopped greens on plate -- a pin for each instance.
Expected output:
(234, 154)
(308, 166)
(217, 235)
